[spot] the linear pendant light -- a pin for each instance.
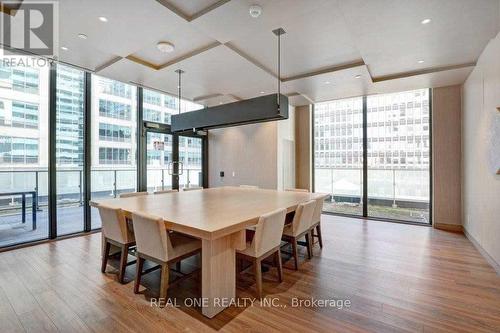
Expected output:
(255, 110)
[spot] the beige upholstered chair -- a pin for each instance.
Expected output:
(249, 186)
(316, 223)
(165, 191)
(296, 190)
(300, 227)
(192, 188)
(265, 243)
(157, 244)
(132, 194)
(115, 231)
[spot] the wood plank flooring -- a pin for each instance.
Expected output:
(398, 278)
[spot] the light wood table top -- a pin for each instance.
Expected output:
(211, 213)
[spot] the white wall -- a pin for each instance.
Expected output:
(251, 152)
(480, 184)
(286, 151)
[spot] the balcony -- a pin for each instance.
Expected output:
(105, 183)
(399, 194)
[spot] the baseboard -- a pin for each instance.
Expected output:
(489, 259)
(449, 227)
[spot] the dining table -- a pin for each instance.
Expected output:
(219, 217)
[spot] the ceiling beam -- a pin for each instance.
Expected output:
(177, 11)
(142, 62)
(245, 56)
(325, 70)
(107, 64)
(421, 72)
(189, 55)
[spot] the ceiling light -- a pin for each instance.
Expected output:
(220, 103)
(327, 82)
(103, 19)
(358, 76)
(421, 61)
(255, 11)
(64, 48)
(262, 92)
(82, 36)
(165, 47)
(426, 21)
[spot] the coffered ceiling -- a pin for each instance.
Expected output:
(331, 49)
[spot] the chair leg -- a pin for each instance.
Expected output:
(138, 273)
(164, 282)
(320, 239)
(178, 266)
(295, 253)
(308, 244)
(258, 277)
(123, 263)
(280, 266)
(105, 255)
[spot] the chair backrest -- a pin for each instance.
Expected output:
(114, 224)
(132, 194)
(303, 217)
(151, 237)
(296, 190)
(268, 232)
(192, 188)
(249, 186)
(165, 191)
(317, 211)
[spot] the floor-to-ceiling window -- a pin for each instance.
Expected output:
(114, 140)
(70, 93)
(24, 100)
(397, 176)
(338, 154)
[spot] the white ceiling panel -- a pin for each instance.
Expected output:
(232, 21)
(312, 41)
(391, 38)
(131, 24)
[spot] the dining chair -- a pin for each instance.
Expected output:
(296, 190)
(192, 188)
(155, 243)
(265, 243)
(249, 186)
(165, 191)
(300, 227)
(131, 194)
(316, 223)
(115, 231)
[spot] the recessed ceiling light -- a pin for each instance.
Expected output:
(220, 102)
(165, 47)
(103, 19)
(327, 82)
(358, 76)
(82, 36)
(421, 61)
(64, 48)
(255, 11)
(426, 21)
(262, 92)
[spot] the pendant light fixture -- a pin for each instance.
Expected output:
(255, 110)
(180, 72)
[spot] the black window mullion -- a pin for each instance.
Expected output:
(87, 139)
(52, 181)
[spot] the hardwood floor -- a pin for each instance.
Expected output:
(397, 277)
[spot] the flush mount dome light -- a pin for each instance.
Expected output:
(165, 47)
(255, 11)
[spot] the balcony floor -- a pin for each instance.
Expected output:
(70, 220)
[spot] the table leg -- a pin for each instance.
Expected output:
(218, 270)
(23, 208)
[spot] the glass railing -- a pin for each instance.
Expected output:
(402, 194)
